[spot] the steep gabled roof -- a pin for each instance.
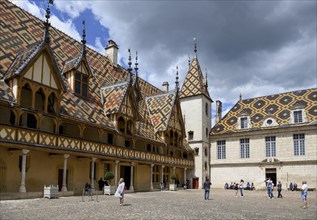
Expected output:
(74, 63)
(112, 97)
(194, 83)
(160, 108)
(277, 106)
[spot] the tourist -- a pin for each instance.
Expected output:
(304, 194)
(226, 186)
(279, 189)
(252, 186)
(269, 185)
(248, 186)
(207, 185)
(241, 187)
(101, 183)
(120, 191)
(291, 187)
(161, 186)
(88, 189)
(236, 188)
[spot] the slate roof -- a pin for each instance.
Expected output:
(277, 106)
(194, 83)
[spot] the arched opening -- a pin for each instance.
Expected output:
(28, 120)
(91, 133)
(51, 105)
(39, 100)
(121, 124)
(69, 129)
(7, 116)
(171, 137)
(26, 96)
(47, 125)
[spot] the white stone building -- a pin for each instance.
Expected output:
(271, 136)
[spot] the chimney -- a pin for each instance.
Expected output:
(112, 52)
(218, 111)
(165, 87)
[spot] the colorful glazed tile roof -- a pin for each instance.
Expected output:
(22, 33)
(277, 106)
(112, 97)
(6, 92)
(160, 108)
(194, 82)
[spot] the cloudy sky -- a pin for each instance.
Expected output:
(253, 48)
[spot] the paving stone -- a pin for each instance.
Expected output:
(182, 204)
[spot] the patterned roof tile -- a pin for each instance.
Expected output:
(160, 108)
(194, 82)
(277, 106)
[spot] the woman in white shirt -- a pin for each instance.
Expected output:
(120, 190)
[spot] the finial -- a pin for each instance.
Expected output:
(136, 64)
(129, 63)
(47, 23)
(240, 97)
(188, 61)
(206, 84)
(84, 38)
(176, 82)
(195, 47)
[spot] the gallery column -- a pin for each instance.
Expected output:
(93, 160)
(185, 177)
(64, 188)
(116, 172)
(131, 178)
(151, 185)
(23, 170)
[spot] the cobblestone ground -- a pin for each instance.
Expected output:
(183, 204)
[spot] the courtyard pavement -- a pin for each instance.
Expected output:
(182, 204)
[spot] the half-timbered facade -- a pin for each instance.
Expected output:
(69, 114)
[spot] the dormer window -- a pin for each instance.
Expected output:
(244, 122)
(298, 117)
(81, 84)
(190, 135)
(269, 121)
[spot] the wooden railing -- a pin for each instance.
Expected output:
(30, 136)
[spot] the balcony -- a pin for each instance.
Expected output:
(24, 136)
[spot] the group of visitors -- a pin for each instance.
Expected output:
(293, 187)
(269, 184)
(234, 185)
(102, 183)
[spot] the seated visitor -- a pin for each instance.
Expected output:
(248, 187)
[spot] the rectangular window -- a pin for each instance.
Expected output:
(244, 122)
(298, 118)
(270, 146)
(221, 149)
(81, 84)
(299, 144)
(245, 148)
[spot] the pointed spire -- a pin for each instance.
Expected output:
(240, 97)
(136, 64)
(195, 47)
(84, 39)
(47, 24)
(176, 82)
(188, 61)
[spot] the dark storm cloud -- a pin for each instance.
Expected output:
(250, 47)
